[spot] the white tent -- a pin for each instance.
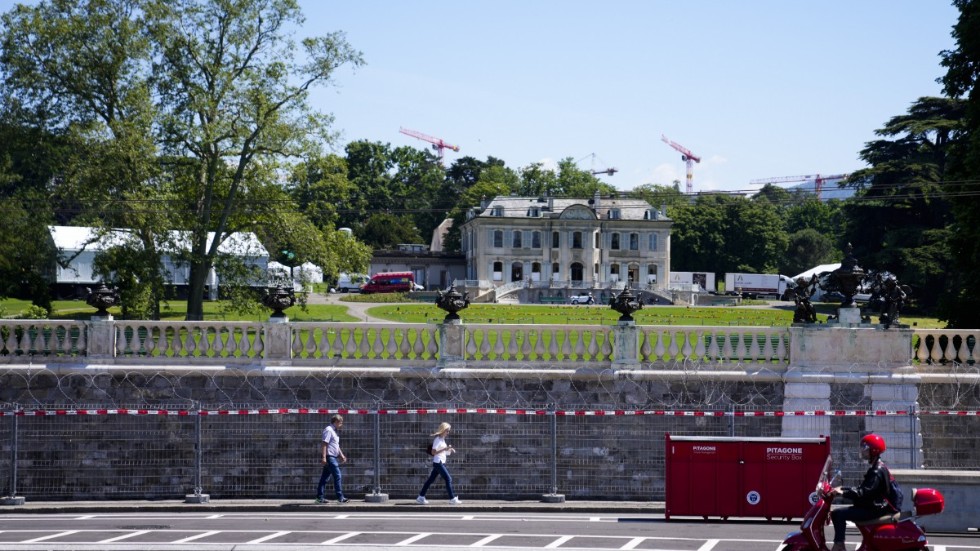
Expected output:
(309, 271)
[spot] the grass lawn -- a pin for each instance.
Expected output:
(603, 315)
(177, 311)
(413, 312)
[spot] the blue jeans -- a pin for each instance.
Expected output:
(439, 469)
(332, 468)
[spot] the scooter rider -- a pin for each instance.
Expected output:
(871, 498)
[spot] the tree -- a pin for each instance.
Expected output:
(901, 205)
(496, 179)
(660, 196)
(807, 248)
(723, 233)
(384, 231)
(961, 303)
(233, 100)
(77, 69)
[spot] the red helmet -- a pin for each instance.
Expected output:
(874, 443)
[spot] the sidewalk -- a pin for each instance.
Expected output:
(359, 505)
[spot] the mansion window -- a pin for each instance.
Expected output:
(577, 240)
(497, 211)
(634, 241)
(653, 242)
(498, 238)
(614, 242)
(555, 240)
(517, 239)
(498, 271)
(536, 240)
(614, 214)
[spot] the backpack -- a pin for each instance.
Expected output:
(427, 447)
(895, 494)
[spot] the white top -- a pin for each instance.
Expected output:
(439, 444)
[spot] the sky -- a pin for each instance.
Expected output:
(757, 88)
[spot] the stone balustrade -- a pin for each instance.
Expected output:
(426, 345)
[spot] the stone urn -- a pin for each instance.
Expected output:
(626, 303)
(278, 299)
(102, 298)
(452, 302)
(848, 277)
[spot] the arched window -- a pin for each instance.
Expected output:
(498, 238)
(555, 272)
(614, 272)
(518, 235)
(634, 241)
(577, 271)
(652, 274)
(536, 240)
(614, 242)
(535, 271)
(498, 271)
(653, 241)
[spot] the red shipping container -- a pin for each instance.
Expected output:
(742, 477)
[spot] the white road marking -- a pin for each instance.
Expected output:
(467, 517)
(52, 536)
(413, 539)
(85, 517)
(341, 538)
(214, 516)
(341, 517)
(708, 545)
(266, 538)
(558, 542)
(125, 536)
(199, 536)
(485, 540)
(631, 544)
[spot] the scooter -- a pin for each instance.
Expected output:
(897, 532)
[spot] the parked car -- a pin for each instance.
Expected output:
(419, 287)
(583, 298)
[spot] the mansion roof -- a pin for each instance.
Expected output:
(598, 208)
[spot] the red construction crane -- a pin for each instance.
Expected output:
(437, 143)
(688, 158)
(818, 180)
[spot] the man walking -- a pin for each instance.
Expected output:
(331, 456)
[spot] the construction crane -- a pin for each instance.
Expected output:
(688, 158)
(437, 143)
(607, 171)
(818, 180)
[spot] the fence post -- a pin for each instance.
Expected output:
(554, 496)
(731, 421)
(12, 499)
(376, 496)
(198, 496)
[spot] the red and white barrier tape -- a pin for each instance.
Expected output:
(485, 411)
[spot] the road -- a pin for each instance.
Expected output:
(389, 530)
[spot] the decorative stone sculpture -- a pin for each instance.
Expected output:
(626, 303)
(452, 302)
(102, 298)
(804, 310)
(890, 296)
(278, 299)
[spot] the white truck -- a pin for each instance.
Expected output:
(685, 281)
(350, 283)
(758, 285)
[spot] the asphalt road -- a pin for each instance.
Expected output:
(440, 529)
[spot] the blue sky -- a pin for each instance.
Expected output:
(757, 88)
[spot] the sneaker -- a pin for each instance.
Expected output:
(343, 500)
(421, 500)
(319, 500)
(454, 501)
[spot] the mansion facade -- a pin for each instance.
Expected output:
(563, 242)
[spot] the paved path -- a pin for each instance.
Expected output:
(356, 309)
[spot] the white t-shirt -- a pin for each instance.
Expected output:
(439, 443)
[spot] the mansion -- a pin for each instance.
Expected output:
(598, 243)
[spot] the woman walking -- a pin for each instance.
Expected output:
(440, 450)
